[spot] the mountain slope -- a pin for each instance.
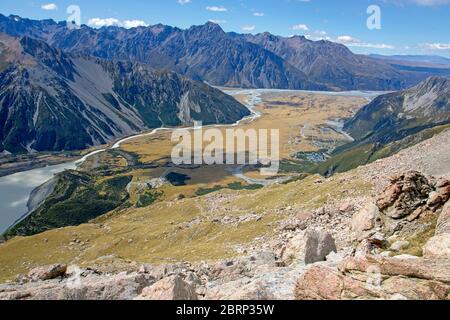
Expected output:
(51, 100)
(204, 52)
(334, 64)
(391, 123)
(397, 115)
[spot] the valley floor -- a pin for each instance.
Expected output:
(222, 243)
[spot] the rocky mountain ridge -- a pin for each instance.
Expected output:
(225, 59)
(52, 101)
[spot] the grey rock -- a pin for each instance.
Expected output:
(399, 245)
(319, 244)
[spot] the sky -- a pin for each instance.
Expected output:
(395, 26)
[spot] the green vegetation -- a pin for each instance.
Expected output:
(148, 198)
(236, 186)
(76, 199)
(347, 159)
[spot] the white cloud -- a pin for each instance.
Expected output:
(425, 3)
(49, 6)
(183, 2)
(353, 42)
(134, 24)
(248, 28)
(108, 22)
(258, 14)
(436, 46)
(300, 27)
(216, 9)
(217, 21)
(318, 35)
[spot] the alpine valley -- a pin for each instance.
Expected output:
(86, 122)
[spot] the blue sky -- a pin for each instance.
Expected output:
(407, 26)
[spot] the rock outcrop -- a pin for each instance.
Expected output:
(375, 277)
(439, 245)
(47, 272)
(410, 196)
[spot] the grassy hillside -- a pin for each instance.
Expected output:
(209, 228)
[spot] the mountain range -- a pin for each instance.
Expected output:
(52, 100)
(433, 59)
(209, 54)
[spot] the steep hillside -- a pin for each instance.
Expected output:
(394, 116)
(51, 100)
(391, 123)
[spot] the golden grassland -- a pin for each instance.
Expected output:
(299, 117)
(287, 112)
(174, 230)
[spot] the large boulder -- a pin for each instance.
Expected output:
(170, 288)
(47, 272)
(439, 245)
(319, 244)
(405, 194)
(443, 224)
(375, 277)
(365, 219)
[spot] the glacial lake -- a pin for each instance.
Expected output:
(15, 189)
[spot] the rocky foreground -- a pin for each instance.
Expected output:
(393, 245)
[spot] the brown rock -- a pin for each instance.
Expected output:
(47, 272)
(171, 288)
(438, 246)
(389, 196)
(365, 219)
(375, 277)
(319, 283)
(426, 269)
(435, 199)
(443, 224)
